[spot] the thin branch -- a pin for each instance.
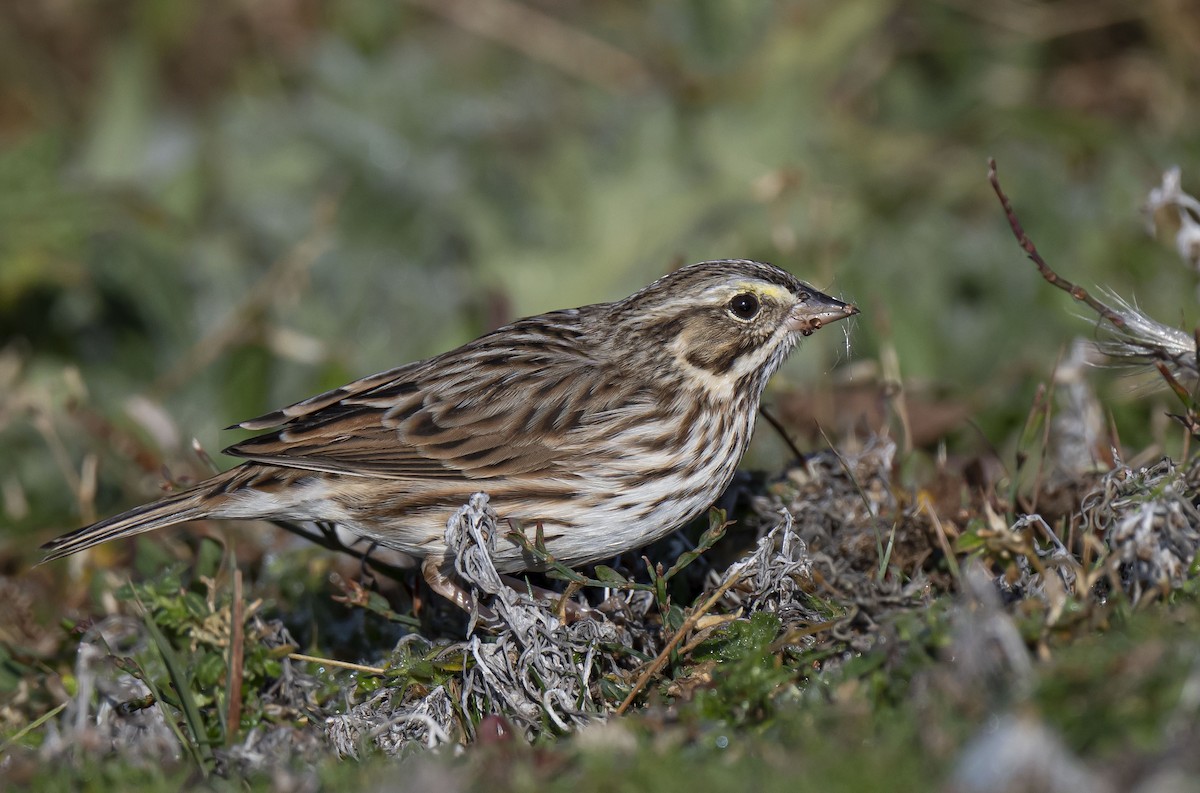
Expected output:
(237, 654)
(1138, 337)
(1054, 279)
(1052, 20)
(777, 425)
(546, 39)
(312, 659)
(684, 629)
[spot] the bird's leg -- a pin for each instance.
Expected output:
(364, 569)
(439, 574)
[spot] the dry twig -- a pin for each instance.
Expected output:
(237, 641)
(684, 629)
(543, 38)
(1137, 336)
(1077, 292)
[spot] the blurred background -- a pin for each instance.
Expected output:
(211, 209)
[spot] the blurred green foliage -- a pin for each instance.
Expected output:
(222, 207)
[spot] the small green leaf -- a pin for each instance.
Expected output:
(607, 575)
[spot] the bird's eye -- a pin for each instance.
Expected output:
(744, 305)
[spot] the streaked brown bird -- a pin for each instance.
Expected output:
(610, 425)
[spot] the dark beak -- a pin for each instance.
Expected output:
(816, 310)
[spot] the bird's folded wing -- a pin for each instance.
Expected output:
(502, 427)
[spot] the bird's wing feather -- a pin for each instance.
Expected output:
(506, 405)
(393, 382)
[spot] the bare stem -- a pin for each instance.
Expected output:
(1054, 279)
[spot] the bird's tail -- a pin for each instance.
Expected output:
(179, 507)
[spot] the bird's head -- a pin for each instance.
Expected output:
(726, 324)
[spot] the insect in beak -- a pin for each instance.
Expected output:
(816, 310)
